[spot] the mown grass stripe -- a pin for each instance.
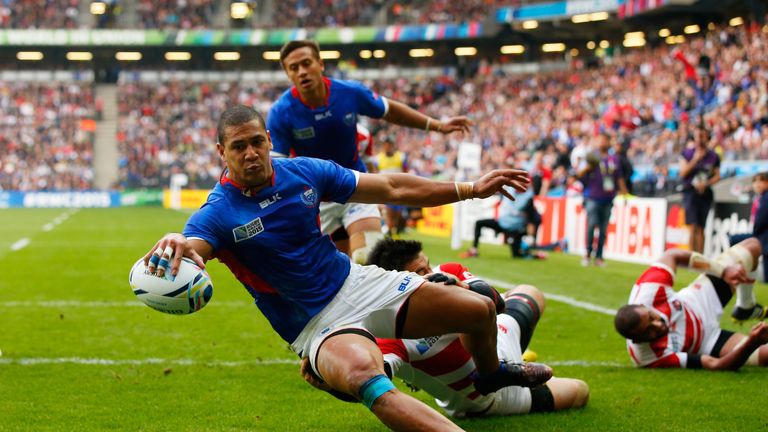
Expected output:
(85, 361)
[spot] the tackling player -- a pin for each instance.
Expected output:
(317, 117)
(441, 366)
(261, 221)
(668, 329)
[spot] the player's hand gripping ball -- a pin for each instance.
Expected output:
(189, 291)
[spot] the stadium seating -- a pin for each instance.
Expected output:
(46, 136)
(45, 14)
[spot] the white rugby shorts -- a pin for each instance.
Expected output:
(369, 301)
(334, 215)
(702, 298)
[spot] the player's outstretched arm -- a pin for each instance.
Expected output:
(738, 356)
(171, 248)
(403, 115)
(732, 274)
(406, 189)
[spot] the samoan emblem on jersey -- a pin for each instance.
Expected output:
(309, 197)
(677, 305)
(350, 119)
(249, 230)
(304, 133)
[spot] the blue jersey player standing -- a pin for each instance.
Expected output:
(317, 118)
(261, 220)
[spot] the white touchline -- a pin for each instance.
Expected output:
(24, 242)
(102, 304)
(560, 298)
(32, 361)
(20, 244)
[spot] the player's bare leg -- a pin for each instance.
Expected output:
(435, 309)
(758, 358)
(363, 236)
(568, 393)
(348, 362)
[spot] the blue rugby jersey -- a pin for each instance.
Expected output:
(327, 132)
(272, 243)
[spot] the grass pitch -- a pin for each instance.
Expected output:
(79, 352)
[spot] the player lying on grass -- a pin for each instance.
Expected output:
(681, 329)
(442, 367)
(261, 220)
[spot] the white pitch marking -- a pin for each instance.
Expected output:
(49, 226)
(100, 304)
(32, 361)
(20, 244)
(561, 298)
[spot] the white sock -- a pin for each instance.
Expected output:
(745, 294)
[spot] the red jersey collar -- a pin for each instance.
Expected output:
(295, 93)
(249, 192)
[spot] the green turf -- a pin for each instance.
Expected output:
(220, 369)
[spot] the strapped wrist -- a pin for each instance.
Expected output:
(464, 190)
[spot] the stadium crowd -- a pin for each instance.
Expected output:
(199, 14)
(324, 13)
(643, 100)
(649, 102)
(170, 128)
(176, 14)
(46, 136)
(443, 11)
(41, 14)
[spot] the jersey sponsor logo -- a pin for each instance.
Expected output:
(309, 197)
(251, 229)
(304, 133)
(404, 284)
(269, 201)
(350, 118)
(423, 345)
(323, 116)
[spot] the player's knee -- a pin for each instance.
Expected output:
(360, 255)
(581, 393)
(569, 393)
(753, 246)
(485, 309)
(531, 291)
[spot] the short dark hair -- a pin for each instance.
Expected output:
(763, 176)
(627, 319)
(394, 254)
(235, 116)
(297, 44)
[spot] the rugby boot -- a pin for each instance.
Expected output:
(756, 312)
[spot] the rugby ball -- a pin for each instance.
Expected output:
(189, 291)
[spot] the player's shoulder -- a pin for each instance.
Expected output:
(302, 164)
(455, 269)
(346, 85)
(657, 273)
(283, 102)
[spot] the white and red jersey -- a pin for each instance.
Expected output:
(455, 269)
(364, 144)
(438, 365)
(691, 315)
